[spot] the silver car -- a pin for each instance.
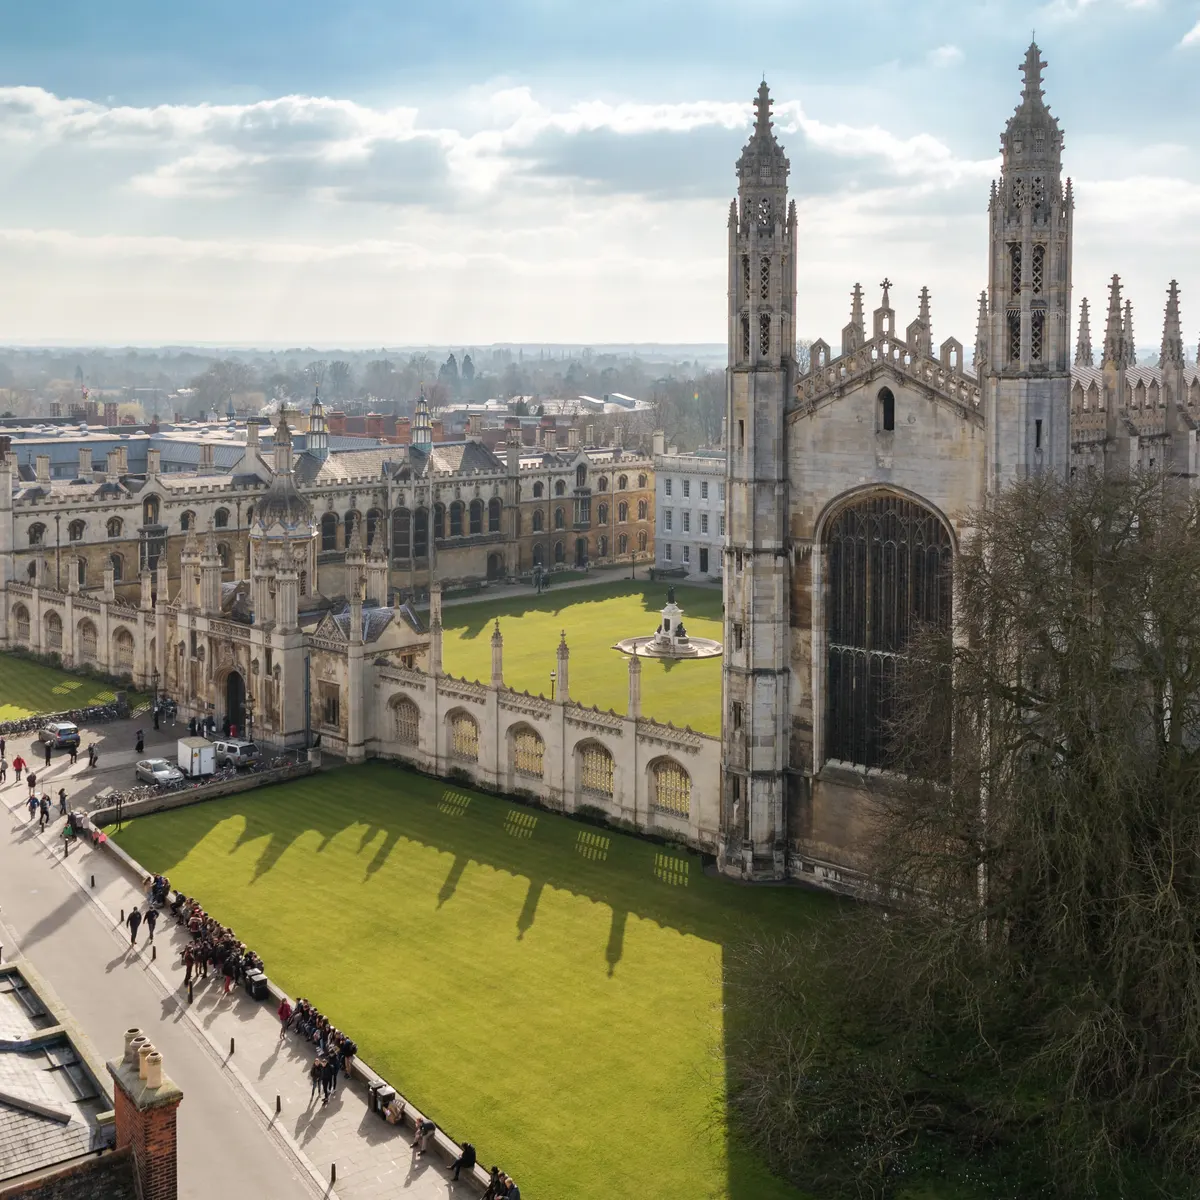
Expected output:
(158, 770)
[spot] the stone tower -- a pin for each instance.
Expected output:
(1027, 383)
(759, 380)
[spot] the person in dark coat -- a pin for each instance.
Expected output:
(328, 1076)
(62, 801)
(465, 1161)
(134, 921)
(45, 817)
(141, 742)
(49, 752)
(151, 920)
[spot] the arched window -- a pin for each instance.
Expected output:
(476, 525)
(642, 510)
(439, 522)
(81, 571)
(54, 630)
(602, 547)
(85, 641)
(1014, 335)
(745, 335)
(75, 531)
(887, 410)
(374, 520)
(329, 531)
(581, 475)
(539, 520)
(221, 518)
(622, 513)
(602, 514)
(224, 555)
(672, 787)
(539, 555)
(1037, 273)
(118, 566)
(764, 334)
(528, 751)
(349, 525)
(622, 544)
(494, 515)
(595, 769)
(150, 510)
(456, 519)
(559, 518)
(250, 515)
(421, 533)
(560, 488)
(37, 533)
(642, 540)
(187, 520)
(21, 622)
(1014, 267)
(764, 279)
(406, 721)
(401, 533)
(1037, 326)
(464, 736)
(302, 584)
(114, 527)
(641, 481)
(123, 650)
(538, 491)
(890, 572)
(559, 555)
(622, 482)
(31, 572)
(602, 484)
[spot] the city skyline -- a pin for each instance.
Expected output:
(536, 174)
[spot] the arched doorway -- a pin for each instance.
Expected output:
(495, 567)
(581, 554)
(235, 701)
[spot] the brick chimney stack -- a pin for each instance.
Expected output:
(146, 1103)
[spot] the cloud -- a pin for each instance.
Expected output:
(945, 56)
(1192, 37)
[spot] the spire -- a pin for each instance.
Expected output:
(1032, 138)
(355, 546)
(318, 439)
(1171, 354)
(762, 112)
(919, 335)
(1083, 347)
(981, 333)
(1114, 334)
(763, 164)
(422, 426)
(1031, 69)
(191, 544)
(1127, 332)
(854, 334)
(210, 542)
(856, 306)
(283, 444)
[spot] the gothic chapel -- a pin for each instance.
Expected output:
(850, 486)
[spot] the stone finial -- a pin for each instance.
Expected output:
(1114, 332)
(355, 547)
(564, 655)
(1171, 354)
(191, 544)
(919, 334)
(1083, 347)
(635, 686)
(981, 333)
(497, 657)
(856, 306)
(210, 542)
(1127, 333)
(1031, 71)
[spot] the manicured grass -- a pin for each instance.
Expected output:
(548, 990)
(687, 693)
(28, 688)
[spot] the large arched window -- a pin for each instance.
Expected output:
(123, 650)
(85, 641)
(890, 572)
(406, 721)
(75, 531)
(464, 736)
(538, 490)
(642, 510)
(622, 512)
(37, 533)
(539, 555)
(401, 534)
(187, 520)
(21, 622)
(150, 510)
(494, 515)
(439, 522)
(642, 539)
(421, 533)
(329, 528)
(559, 554)
(672, 787)
(539, 520)
(528, 751)
(476, 516)
(54, 630)
(456, 519)
(581, 476)
(602, 514)
(559, 518)
(114, 527)
(595, 769)
(221, 518)
(560, 488)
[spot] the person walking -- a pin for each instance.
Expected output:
(3, 743)
(189, 960)
(285, 1016)
(18, 767)
(314, 1075)
(3, 769)
(45, 813)
(141, 742)
(151, 921)
(31, 779)
(32, 805)
(155, 714)
(49, 752)
(92, 755)
(134, 921)
(328, 1076)
(74, 752)
(62, 801)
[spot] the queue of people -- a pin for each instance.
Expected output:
(335, 1050)
(211, 943)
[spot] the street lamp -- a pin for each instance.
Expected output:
(553, 677)
(249, 718)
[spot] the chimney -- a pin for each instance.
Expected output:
(146, 1105)
(43, 468)
(251, 435)
(403, 431)
(110, 413)
(206, 458)
(439, 434)
(336, 423)
(123, 459)
(375, 425)
(85, 462)
(114, 463)
(153, 462)
(660, 439)
(551, 441)
(573, 438)
(617, 435)
(590, 437)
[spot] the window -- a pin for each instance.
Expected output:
(668, 517)
(667, 552)
(75, 531)
(602, 546)
(890, 572)
(118, 567)
(123, 650)
(672, 787)
(721, 490)
(81, 571)
(687, 488)
(737, 637)
(667, 487)
(86, 641)
(456, 519)
(464, 737)
(746, 276)
(401, 533)
(150, 510)
(187, 520)
(622, 544)
(595, 769)
(622, 512)
(687, 521)
(37, 533)
(221, 518)
(745, 335)
(21, 620)
(421, 533)
(622, 482)
(528, 751)
(887, 410)
(581, 476)
(1037, 325)
(538, 490)
(560, 488)
(224, 555)
(331, 704)
(764, 279)
(439, 521)
(641, 481)
(559, 519)
(494, 515)
(1037, 434)
(704, 489)
(1014, 268)
(54, 631)
(721, 523)
(559, 555)
(302, 583)
(539, 520)
(476, 525)
(764, 334)
(1014, 335)
(406, 721)
(641, 541)
(1038, 269)
(539, 555)
(687, 554)
(329, 531)
(602, 484)
(642, 510)
(114, 527)
(735, 714)
(741, 435)
(704, 522)
(602, 514)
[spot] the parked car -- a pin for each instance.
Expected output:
(157, 770)
(235, 752)
(62, 735)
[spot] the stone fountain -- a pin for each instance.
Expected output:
(671, 639)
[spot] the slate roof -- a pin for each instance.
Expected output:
(375, 621)
(351, 464)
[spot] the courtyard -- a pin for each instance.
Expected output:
(594, 617)
(549, 990)
(28, 688)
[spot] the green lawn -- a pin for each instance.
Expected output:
(688, 693)
(550, 991)
(28, 688)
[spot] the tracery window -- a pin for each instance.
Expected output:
(672, 787)
(87, 641)
(746, 276)
(221, 518)
(114, 527)
(595, 769)
(1039, 187)
(1037, 325)
(75, 531)
(642, 510)
(559, 519)
(464, 737)
(745, 335)
(476, 516)
(329, 531)
(1014, 267)
(764, 279)
(401, 533)
(528, 751)
(1014, 335)
(54, 631)
(123, 649)
(641, 539)
(622, 544)
(560, 488)
(37, 532)
(456, 519)
(494, 515)
(406, 721)
(1038, 269)
(764, 333)
(1018, 192)
(890, 572)
(539, 520)
(421, 533)
(622, 512)
(21, 619)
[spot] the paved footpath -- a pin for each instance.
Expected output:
(229, 1136)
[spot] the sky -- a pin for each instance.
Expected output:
(462, 173)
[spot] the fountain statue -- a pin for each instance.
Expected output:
(671, 639)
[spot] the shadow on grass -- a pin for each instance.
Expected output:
(633, 877)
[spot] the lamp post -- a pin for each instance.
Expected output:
(249, 718)
(154, 685)
(553, 678)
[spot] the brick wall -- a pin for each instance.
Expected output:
(109, 1177)
(150, 1135)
